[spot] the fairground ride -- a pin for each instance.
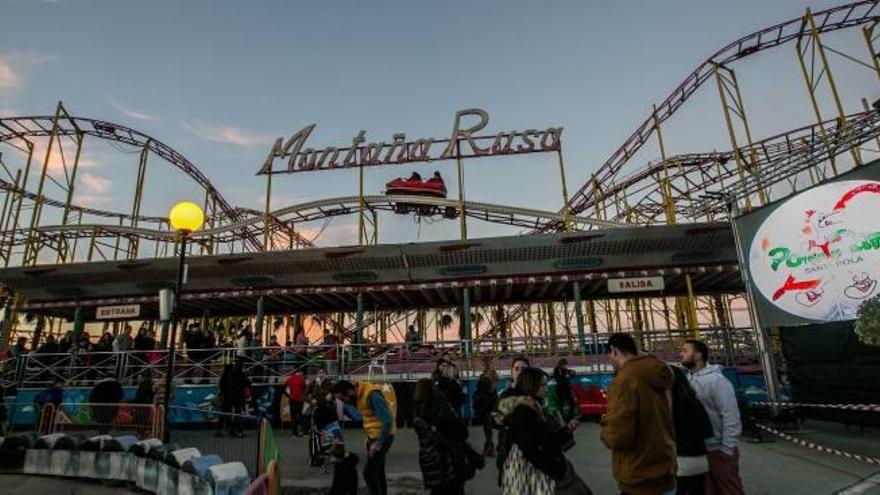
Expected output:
(634, 186)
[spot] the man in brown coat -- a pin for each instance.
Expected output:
(638, 427)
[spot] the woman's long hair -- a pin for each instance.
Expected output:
(681, 387)
(427, 399)
(530, 381)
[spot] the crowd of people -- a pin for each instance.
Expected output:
(204, 352)
(671, 431)
(670, 428)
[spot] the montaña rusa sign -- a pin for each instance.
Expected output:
(292, 155)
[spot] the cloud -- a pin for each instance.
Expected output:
(59, 156)
(13, 64)
(226, 134)
(9, 77)
(95, 183)
(92, 200)
(130, 111)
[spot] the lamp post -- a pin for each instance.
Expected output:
(185, 218)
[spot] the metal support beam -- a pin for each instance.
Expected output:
(359, 320)
(258, 323)
(808, 47)
(78, 323)
(163, 335)
(461, 208)
(466, 320)
(691, 314)
(579, 316)
(734, 110)
(768, 362)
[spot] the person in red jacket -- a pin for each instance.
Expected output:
(295, 389)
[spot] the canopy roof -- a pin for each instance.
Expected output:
(498, 270)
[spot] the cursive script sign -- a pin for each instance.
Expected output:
(462, 143)
(817, 255)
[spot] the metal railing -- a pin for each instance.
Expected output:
(729, 346)
(143, 420)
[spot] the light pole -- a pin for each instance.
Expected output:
(185, 218)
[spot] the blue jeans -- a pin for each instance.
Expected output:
(374, 468)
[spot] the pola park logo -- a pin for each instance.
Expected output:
(817, 256)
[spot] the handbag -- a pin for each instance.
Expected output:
(468, 463)
(521, 477)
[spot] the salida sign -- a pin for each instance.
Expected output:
(635, 284)
(462, 143)
(817, 256)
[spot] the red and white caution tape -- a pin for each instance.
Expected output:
(820, 448)
(842, 407)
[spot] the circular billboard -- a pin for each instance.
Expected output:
(817, 256)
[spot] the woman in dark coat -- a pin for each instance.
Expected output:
(536, 460)
(692, 428)
(143, 343)
(441, 435)
(234, 385)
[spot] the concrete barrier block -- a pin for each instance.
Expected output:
(64, 463)
(95, 443)
(159, 452)
(70, 441)
(87, 465)
(230, 478)
(37, 462)
(198, 466)
(130, 467)
(167, 481)
(143, 447)
(188, 484)
(179, 457)
(48, 441)
(115, 466)
(25, 440)
(119, 444)
(147, 474)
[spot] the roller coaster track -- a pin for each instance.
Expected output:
(775, 160)
(42, 126)
(331, 207)
(833, 19)
(10, 187)
(277, 224)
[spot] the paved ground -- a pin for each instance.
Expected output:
(30, 485)
(767, 468)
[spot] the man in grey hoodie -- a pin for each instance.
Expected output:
(718, 397)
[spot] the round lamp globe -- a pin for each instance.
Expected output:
(186, 217)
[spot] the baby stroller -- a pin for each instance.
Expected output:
(320, 441)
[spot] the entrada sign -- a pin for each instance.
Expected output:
(118, 312)
(635, 284)
(462, 143)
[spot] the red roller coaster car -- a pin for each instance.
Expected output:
(591, 400)
(414, 185)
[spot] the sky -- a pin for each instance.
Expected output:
(219, 81)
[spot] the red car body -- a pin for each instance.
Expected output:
(591, 399)
(431, 187)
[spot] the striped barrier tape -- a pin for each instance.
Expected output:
(843, 407)
(820, 448)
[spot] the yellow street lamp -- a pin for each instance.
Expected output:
(185, 218)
